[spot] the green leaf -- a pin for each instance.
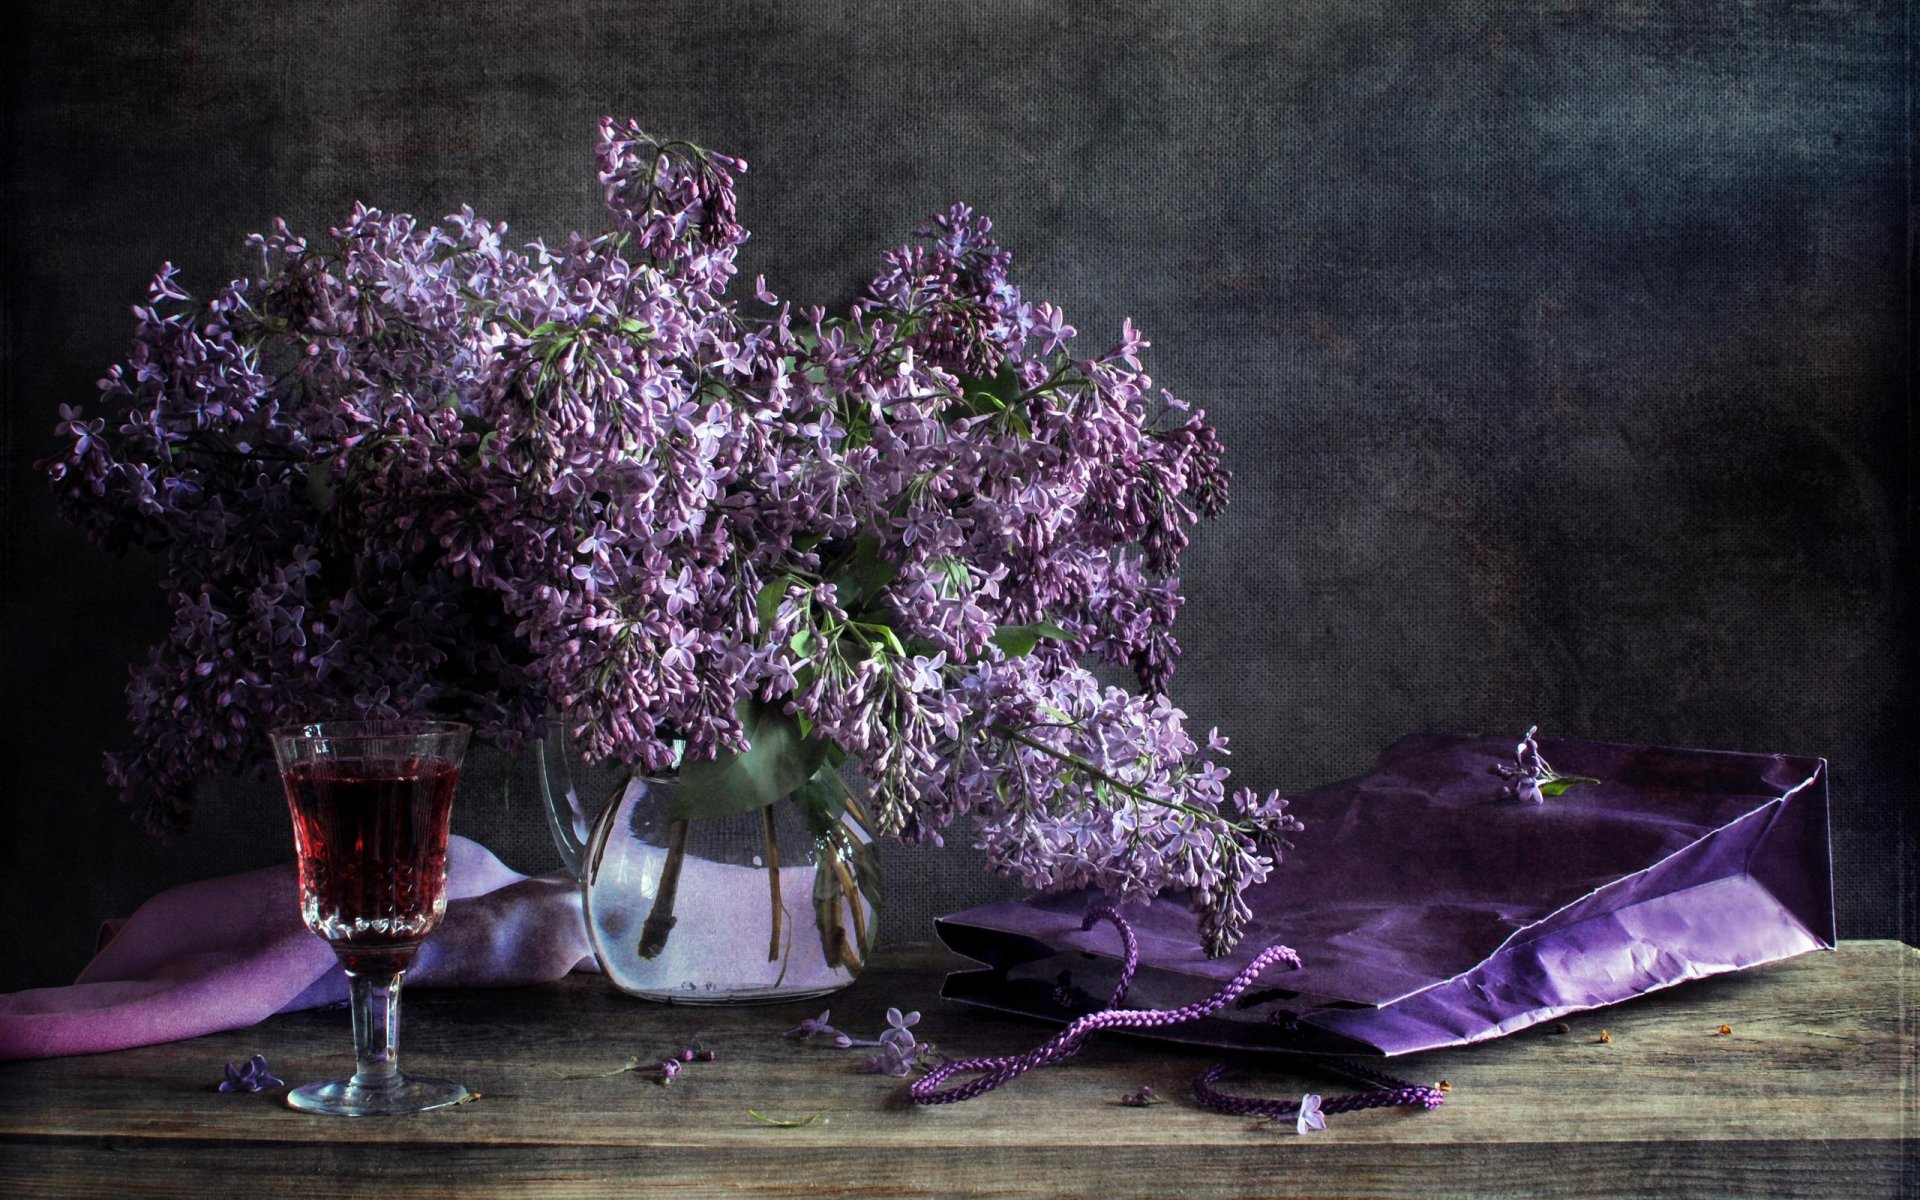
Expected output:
(767, 604)
(1018, 641)
(320, 486)
(888, 639)
(1004, 386)
(820, 804)
(957, 576)
(1559, 784)
(780, 759)
(865, 573)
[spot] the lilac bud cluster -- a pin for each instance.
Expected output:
(414, 469)
(1526, 772)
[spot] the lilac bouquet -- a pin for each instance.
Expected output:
(413, 469)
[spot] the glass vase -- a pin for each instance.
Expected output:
(772, 904)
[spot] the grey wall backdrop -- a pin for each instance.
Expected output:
(1564, 349)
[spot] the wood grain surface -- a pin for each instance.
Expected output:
(1813, 1093)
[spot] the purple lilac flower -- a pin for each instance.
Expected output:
(897, 1052)
(813, 1025)
(891, 1060)
(250, 1076)
(1529, 778)
(406, 468)
(1310, 1117)
(1526, 772)
(1142, 1098)
(899, 1026)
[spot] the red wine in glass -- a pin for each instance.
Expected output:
(372, 840)
(370, 802)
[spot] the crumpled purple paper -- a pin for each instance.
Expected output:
(228, 953)
(1429, 911)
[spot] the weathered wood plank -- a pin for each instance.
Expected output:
(1813, 1093)
(1268, 1171)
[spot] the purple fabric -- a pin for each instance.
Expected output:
(1428, 911)
(227, 953)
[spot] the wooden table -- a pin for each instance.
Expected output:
(1813, 1093)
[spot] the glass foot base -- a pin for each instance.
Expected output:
(405, 1094)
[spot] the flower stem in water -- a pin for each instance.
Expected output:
(859, 947)
(773, 882)
(660, 919)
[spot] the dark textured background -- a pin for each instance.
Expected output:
(1564, 350)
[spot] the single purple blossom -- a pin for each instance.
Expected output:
(898, 1031)
(1310, 1117)
(250, 1076)
(812, 1025)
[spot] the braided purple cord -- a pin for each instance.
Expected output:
(1132, 945)
(993, 1072)
(1393, 1093)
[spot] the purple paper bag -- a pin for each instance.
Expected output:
(1429, 911)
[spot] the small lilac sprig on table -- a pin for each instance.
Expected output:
(412, 469)
(663, 1072)
(898, 1052)
(813, 1027)
(1529, 777)
(250, 1076)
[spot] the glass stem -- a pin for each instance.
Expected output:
(376, 1028)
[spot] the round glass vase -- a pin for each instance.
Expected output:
(773, 904)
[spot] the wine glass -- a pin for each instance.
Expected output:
(370, 802)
